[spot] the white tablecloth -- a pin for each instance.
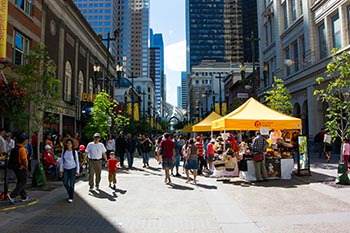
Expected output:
(287, 166)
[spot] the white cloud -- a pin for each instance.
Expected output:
(171, 32)
(175, 56)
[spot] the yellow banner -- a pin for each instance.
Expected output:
(3, 28)
(136, 111)
(224, 108)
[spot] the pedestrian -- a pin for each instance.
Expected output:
(50, 163)
(191, 161)
(120, 148)
(95, 151)
(30, 155)
(158, 148)
(184, 154)
(110, 144)
(211, 153)
(200, 153)
(328, 147)
(35, 144)
(2, 149)
(10, 143)
(112, 170)
(168, 156)
(20, 166)
(69, 168)
(130, 150)
(177, 157)
(259, 146)
(346, 153)
(146, 148)
(319, 142)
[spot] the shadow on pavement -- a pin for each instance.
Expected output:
(206, 186)
(77, 217)
(103, 195)
(148, 172)
(179, 187)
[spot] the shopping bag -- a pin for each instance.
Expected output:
(257, 157)
(39, 177)
(327, 139)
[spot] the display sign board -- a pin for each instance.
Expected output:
(264, 131)
(273, 167)
(242, 95)
(303, 155)
(3, 28)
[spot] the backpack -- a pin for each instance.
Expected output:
(13, 162)
(147, 146)
(73, 152)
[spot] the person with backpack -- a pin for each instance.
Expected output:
(18, 162)
(146, 147)
(69, 168)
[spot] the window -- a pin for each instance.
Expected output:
(68, 82)
(25, 5)
(21, 48)
(322, 41)
(296, 56)
(271, 31)
(266, 35)
(336, 32)
(300, 7)
(293, 10)
(285, 16)
(81, 84)
(303, 51)
(287, 56)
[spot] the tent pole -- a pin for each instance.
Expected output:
(225, 140)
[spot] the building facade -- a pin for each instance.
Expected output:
(184, 88)
(296, 40)
(156, 41)
(179, 97)
(155, 74)
(250, 28)
(213, 31)
(145, 88)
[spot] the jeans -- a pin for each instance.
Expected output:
(69, 181)
(121, 158)
(145, 157)
(95, 167)
(21, 176)
(130, 157)
(201, 164)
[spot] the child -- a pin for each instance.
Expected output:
(112, 169)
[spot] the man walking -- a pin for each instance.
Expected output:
(168, 151)
(120, 148)
(146, 149)
(130, 150)
(95, 151)
(200, 153)
(20, 167)
(259, 147)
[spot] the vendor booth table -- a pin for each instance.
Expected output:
(255, 116)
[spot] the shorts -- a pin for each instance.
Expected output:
(191, 164)
(177, 161)
(210, 158)
(167, 163)
(112, 177)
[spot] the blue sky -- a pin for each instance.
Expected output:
(168, 17)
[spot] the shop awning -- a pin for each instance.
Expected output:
(187, 129)
(253, 115)
(205, 124)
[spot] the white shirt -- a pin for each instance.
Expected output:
(110, 144)
(95, 150)
(9, 145)
(67, 161)
(2, 145)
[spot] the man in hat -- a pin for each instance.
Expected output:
(95, 151)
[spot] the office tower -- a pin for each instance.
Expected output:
(139, 38)
(156, 41)
(213, 31)
(179, 97)
(103, 18)
(155, 73)
(250, 24)
(184, 90)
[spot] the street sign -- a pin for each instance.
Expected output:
(242, 95)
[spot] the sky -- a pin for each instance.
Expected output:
(168, 17)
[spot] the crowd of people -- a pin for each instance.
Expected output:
(66, 158)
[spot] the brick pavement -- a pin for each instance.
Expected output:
(143, 203)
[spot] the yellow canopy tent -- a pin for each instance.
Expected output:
(187, 129)
(253, 115)
(205, 124)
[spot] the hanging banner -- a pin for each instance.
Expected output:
(3, 29)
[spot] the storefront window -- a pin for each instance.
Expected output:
(336, 32)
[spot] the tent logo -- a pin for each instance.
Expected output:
(257, 124)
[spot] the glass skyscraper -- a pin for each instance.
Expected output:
(179, 97)
(184, 88)
(213, 31)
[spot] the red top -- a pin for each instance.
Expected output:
(48, 159)
(112, 165)
(210, 149)
(200, 148)
(169, 146)
(35, 140)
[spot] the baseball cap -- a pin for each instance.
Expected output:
(97, 135)
(198, 138)
(47, 147)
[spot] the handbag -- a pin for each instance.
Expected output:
(258, 157)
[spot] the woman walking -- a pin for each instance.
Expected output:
(346, 153)
(192, 161)
(69, 168)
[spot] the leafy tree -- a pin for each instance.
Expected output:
(103, 117)
(279, 98)
(337, 96)
(37, 79)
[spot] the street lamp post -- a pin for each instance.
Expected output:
(119, 69)
(132, 97)
(143, 93)
(109, 39)
(253, 40)
(220, 77)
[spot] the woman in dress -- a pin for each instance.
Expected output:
(192, 161)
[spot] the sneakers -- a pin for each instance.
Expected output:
(12, 200)
(26, 199)
(178, 175)
(114, 186)
(70, 200)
